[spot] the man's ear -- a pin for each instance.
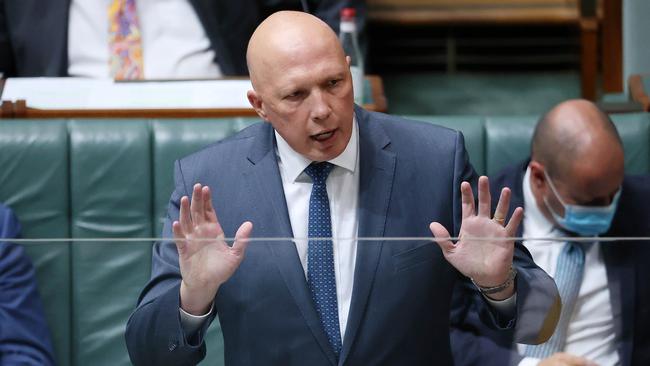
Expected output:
(537, 177)
(348, 60)
(256, 102)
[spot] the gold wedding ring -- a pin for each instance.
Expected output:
(500, 220)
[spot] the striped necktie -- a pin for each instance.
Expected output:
(125, 41)
(320, 255)
(568, 277)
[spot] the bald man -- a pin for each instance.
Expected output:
(319, 167)
(574, 186)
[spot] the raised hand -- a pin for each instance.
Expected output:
(204, 264)
(487, 262)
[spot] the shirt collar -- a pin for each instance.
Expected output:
(293, 163)
(542, 226)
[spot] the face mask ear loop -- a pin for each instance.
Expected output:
(550, 183)
(557, 195)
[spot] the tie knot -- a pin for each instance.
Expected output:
(318, 172)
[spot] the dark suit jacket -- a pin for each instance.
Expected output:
(34, 33)
(399, 313)
(628, 271)
(24, 337)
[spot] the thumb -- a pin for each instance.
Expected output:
(441, 236)
(241, 238)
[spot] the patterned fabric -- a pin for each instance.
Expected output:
(568, 277)
(320, 255)
(125, 41)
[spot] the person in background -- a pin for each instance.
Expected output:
(24, 336)
(574, 185)
(140, 39)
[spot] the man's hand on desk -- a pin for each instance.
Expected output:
(204, 264)
(487, 262)
(565, 359)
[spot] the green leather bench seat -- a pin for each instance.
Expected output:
(34, 181)
(109, 179)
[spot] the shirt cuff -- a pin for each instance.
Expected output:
(505, 308)
(529, 361)
(192, 323)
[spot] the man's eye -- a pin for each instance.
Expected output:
(294, 95)
(334, 82)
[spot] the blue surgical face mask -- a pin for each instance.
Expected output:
(583, 220)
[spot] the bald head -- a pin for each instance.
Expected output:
(282, 40)
(302, 84)
(573, 133)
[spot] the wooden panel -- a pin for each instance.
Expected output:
(467, 3)
(611, 47)
(473, 11)
(588, 57)
(20, 109)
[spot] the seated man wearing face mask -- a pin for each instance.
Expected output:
(574, 186)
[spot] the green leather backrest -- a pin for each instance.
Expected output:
(34, 182)
(473, 131)
(509, 139)
(634, 129)
(110, 170)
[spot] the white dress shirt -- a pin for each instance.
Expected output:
(591, 329)
(174, 43)
(342, 191)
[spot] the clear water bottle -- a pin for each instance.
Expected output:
(349, 40)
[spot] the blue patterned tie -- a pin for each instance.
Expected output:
(320, 255)
(568, 277)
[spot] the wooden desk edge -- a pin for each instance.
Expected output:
(19, 109)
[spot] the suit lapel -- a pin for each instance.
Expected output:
(377, 169)
(621, 282)
(267, 187)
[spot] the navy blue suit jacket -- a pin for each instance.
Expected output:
(24, 336)
(34, 33)
(401, 301)
(628, 271)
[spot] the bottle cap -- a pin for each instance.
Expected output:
(348, 13)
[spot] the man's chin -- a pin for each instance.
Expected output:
(325, 154)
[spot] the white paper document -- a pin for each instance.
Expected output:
(84, 93)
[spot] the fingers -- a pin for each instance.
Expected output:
(484, 197)
(197, 205)
(241, 238)
(209, 214)
(502, 206)
(441, 236)
(514, 222)
(467, 200)
(179, 237)
(184, 216)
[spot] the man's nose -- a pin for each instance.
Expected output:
(320, 107)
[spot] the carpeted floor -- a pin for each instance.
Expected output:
(479, 93)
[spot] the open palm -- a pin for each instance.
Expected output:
(206, 261)
(482, 253)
